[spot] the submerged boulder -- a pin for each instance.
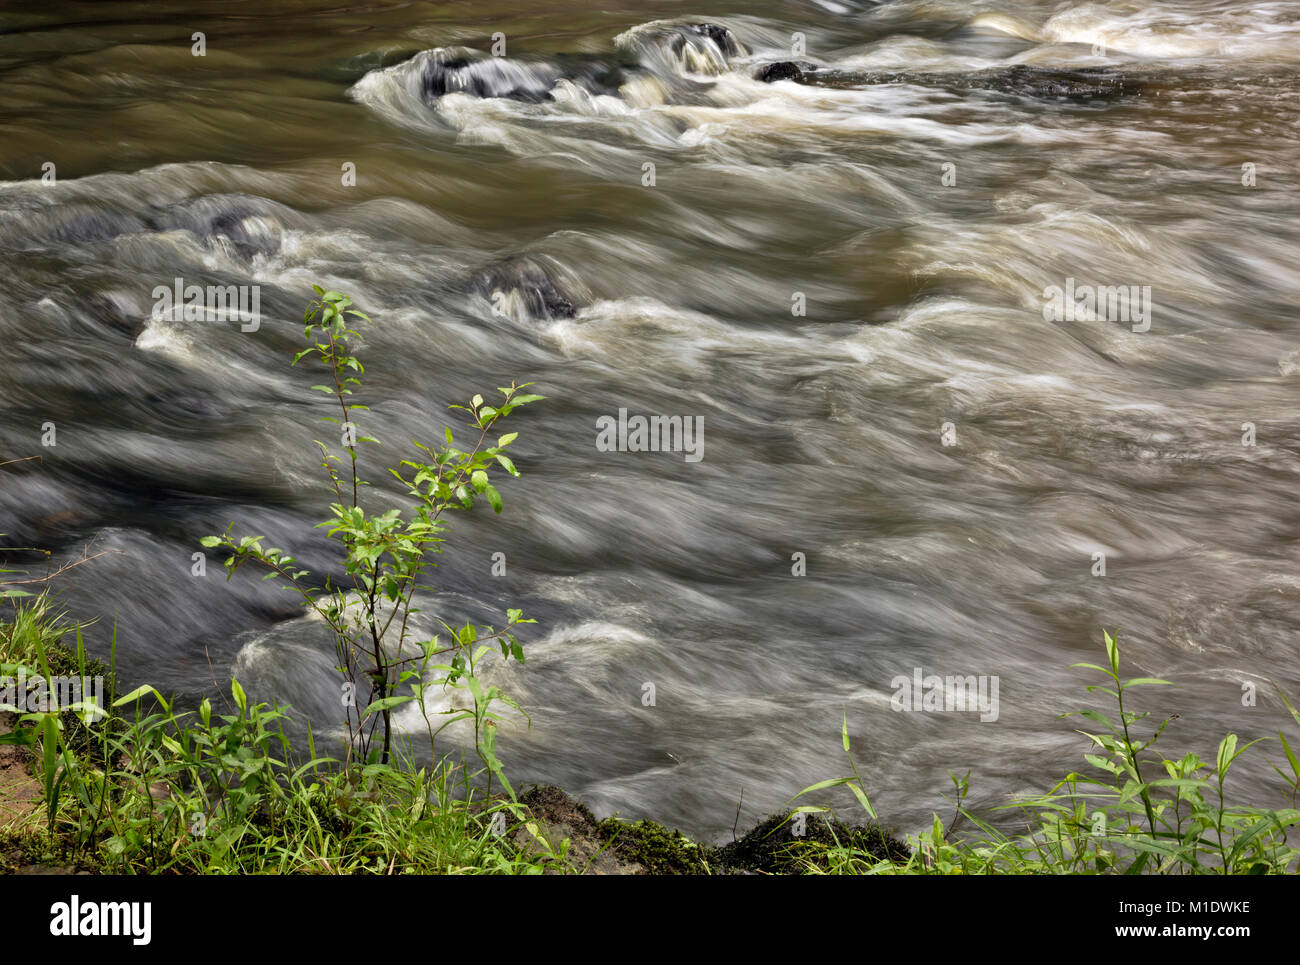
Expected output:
(665, 49)
(533, 287)
(672, 50)
(784, 70)
(454, 70)
(718, 35)
(244, 224)
(118, 310)
(470, 72)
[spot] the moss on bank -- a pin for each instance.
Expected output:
(657, 849)
(773, 848)
(616, 846)
(40, 853)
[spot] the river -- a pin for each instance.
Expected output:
(844, 276)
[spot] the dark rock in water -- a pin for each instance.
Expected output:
(233, 228)
(721, 37)
(784, 70)
(676, 51)
(539, 286)
(1079, 84)
(463, 71)
(118, 310)
(488, 77)
(248, 224)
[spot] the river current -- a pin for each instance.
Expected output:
(915, 456)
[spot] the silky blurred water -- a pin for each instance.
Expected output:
(824, 432)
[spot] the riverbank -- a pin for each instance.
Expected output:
(148, 790)
(566, 825)
(560, 835)
(113, 813)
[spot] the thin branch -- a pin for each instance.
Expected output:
(61, 570)
(10, 462)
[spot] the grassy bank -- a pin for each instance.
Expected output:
(150, 789)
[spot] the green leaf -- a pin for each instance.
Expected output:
(139, 692)
(210, 541)
(1099, 717)
(822, 785)
(1294, 713)
(1089, 666)
(1098, 761)
(50, 747)
(1224, 756)
(493, 497)
(1139, 864)
(1290, 756)
(384, 703)
(1112, 651)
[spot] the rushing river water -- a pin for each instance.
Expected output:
(949, 456)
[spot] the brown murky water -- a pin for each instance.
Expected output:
(949, 458)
